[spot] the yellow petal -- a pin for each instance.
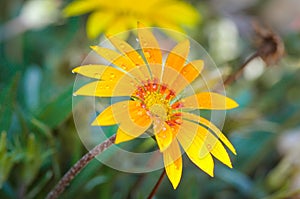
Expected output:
(99, 72)
(150, 48)
(119, 25)
(107, 88)
(106, 117)
(192, 142)
(133, 55)
(122, 136)
(80, 7)
(187, 75)
(112, 56)
(173, 163)
(212, 127)
(176, 60)
(97, 22)
(163, 135)
(209, 100)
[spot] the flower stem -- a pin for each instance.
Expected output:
(68, 177)
(231, 78)
(155, 188)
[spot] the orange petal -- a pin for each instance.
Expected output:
(212, 127)
(150, 49)
(187, 75)
(133, 55)
(163, 135)
(99, 72)
(176, 60)
(209, 100)
(173, 163)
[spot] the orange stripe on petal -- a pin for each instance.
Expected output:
(212, 127)
(209, 100)
(187, 75)
(176, 59)
(173, 163)
(150, 48)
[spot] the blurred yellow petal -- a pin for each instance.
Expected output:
(209, 100)
(212, 127)
(176, 60)
(99, 72)
(173, 163)
(120, 25)
(150, 49)
(98, 22)
(163, 135)
(80, 7)
(187, 75)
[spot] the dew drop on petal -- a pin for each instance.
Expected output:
(107, 87)
(147, 54)
(122, 45)
(97, 75)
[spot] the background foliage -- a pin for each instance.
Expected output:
(39, 142)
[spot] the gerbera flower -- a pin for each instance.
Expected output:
(154, 101)
(113, 17)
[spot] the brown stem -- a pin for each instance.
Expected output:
(68, 177)
(231, 78)
(155, 188)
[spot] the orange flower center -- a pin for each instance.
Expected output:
(157, 100)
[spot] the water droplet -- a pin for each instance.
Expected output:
(112, 75)
(74, 94)
(208, 146)
(145, 43)
(147, 54)
(137, 39)
(107, 87)
(140, 113)
(122, 45)
(164, 129)
(97, 75)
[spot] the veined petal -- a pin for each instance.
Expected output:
(173, 163)
(209, 100)
(163, 135)
(131, 53)
(97, 22)
(176, 60)
(195, 146)
(106, 89)
(80, 7)
(99, 72)
(119, 60)
(150, 48)
(187, 75)
(212, 127)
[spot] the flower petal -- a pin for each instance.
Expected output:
(99, 72)
(209, 100)
(107, 89)
(119, 60)
(122, 136)
(173, 163)
(176, 60)
(212, 127)
(94, 26)
(187, 75)
(163, 135)
(150, 49)
(80, 7)
(193, 144)
(133, 55)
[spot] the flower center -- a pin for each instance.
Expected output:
(156, 100)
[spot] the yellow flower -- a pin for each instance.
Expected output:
(117, 16)
(153, 86)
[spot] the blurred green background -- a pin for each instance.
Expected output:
(39, 142)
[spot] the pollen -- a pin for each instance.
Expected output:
(156, 100)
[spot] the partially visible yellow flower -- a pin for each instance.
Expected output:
(154, 88)
(117, 16)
